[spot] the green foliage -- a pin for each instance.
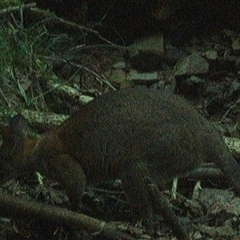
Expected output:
(8, 3)
(24, 59)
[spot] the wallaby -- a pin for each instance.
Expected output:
(133, 134)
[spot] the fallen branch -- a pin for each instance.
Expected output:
(162, 207)
(36, 119)
(13, 207)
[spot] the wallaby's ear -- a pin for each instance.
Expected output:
(13, 136)
(19, 127)
(7, 137)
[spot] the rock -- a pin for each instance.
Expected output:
(191, 65)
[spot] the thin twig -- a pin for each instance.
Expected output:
(12, 9)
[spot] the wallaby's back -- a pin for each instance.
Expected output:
(157, 128)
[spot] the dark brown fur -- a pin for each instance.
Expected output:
(133, 134)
